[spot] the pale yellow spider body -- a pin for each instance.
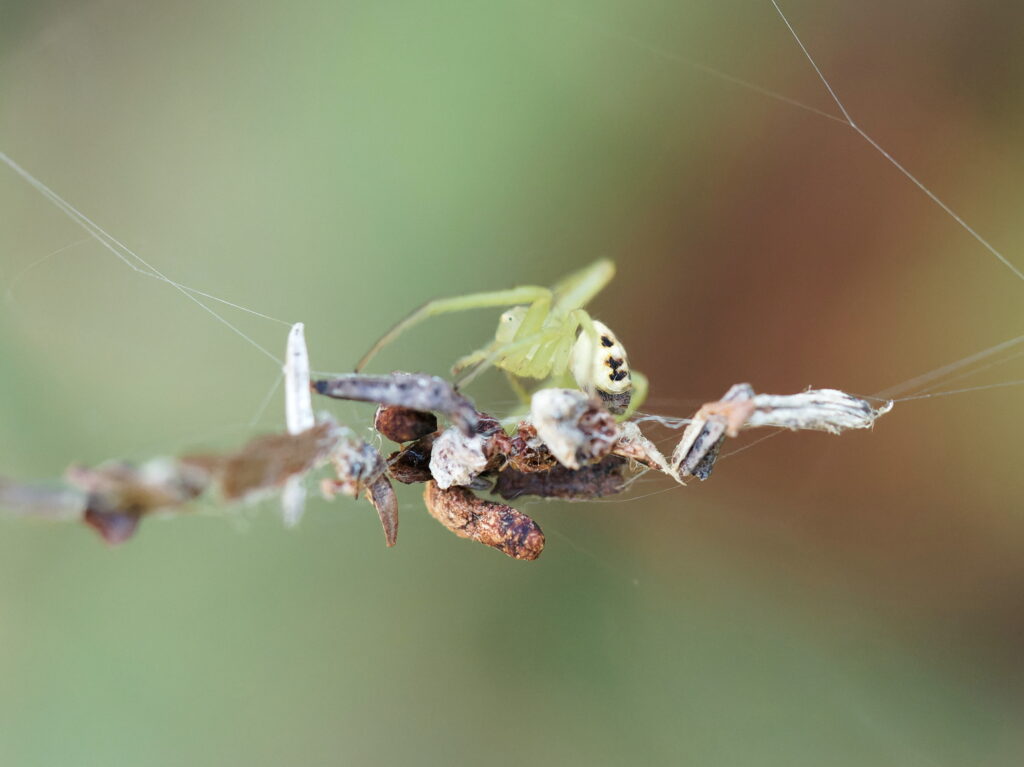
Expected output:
(546, 335)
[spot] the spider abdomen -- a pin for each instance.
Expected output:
(602, 368)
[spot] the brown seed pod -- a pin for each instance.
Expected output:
(403, 424)
(493, 524)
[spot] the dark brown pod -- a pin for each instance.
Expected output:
(403, 424)
(595, 480)
(411, 464)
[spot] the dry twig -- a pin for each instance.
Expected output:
(569, 447)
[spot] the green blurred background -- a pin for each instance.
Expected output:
(842, 601)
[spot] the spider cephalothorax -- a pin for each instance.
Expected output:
(546, 335)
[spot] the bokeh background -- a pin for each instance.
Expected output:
(843, 601)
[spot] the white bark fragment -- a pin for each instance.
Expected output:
(298, 398)
(455, 459)
(575, 429)
(293, 501)
(298, 414)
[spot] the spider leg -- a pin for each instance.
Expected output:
(550, 357)
(542, 361)
(501, 353)
(536, 316)
(472, 359)
(525, 294)
(586, 326)
(530, 325)
(561, 354)
(517, 386)
(576, 290)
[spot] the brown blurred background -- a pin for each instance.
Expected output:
(821, 600)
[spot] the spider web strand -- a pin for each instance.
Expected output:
(895, 163)
(119, 249)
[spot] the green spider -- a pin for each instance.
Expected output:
(546, 335)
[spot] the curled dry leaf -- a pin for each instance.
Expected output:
(493, 524)
(360, 468)
(632, 444)
(382, 495)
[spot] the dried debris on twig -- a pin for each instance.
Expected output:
(118, 494)
(266, 463)
(43, 501)
(569, 446)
